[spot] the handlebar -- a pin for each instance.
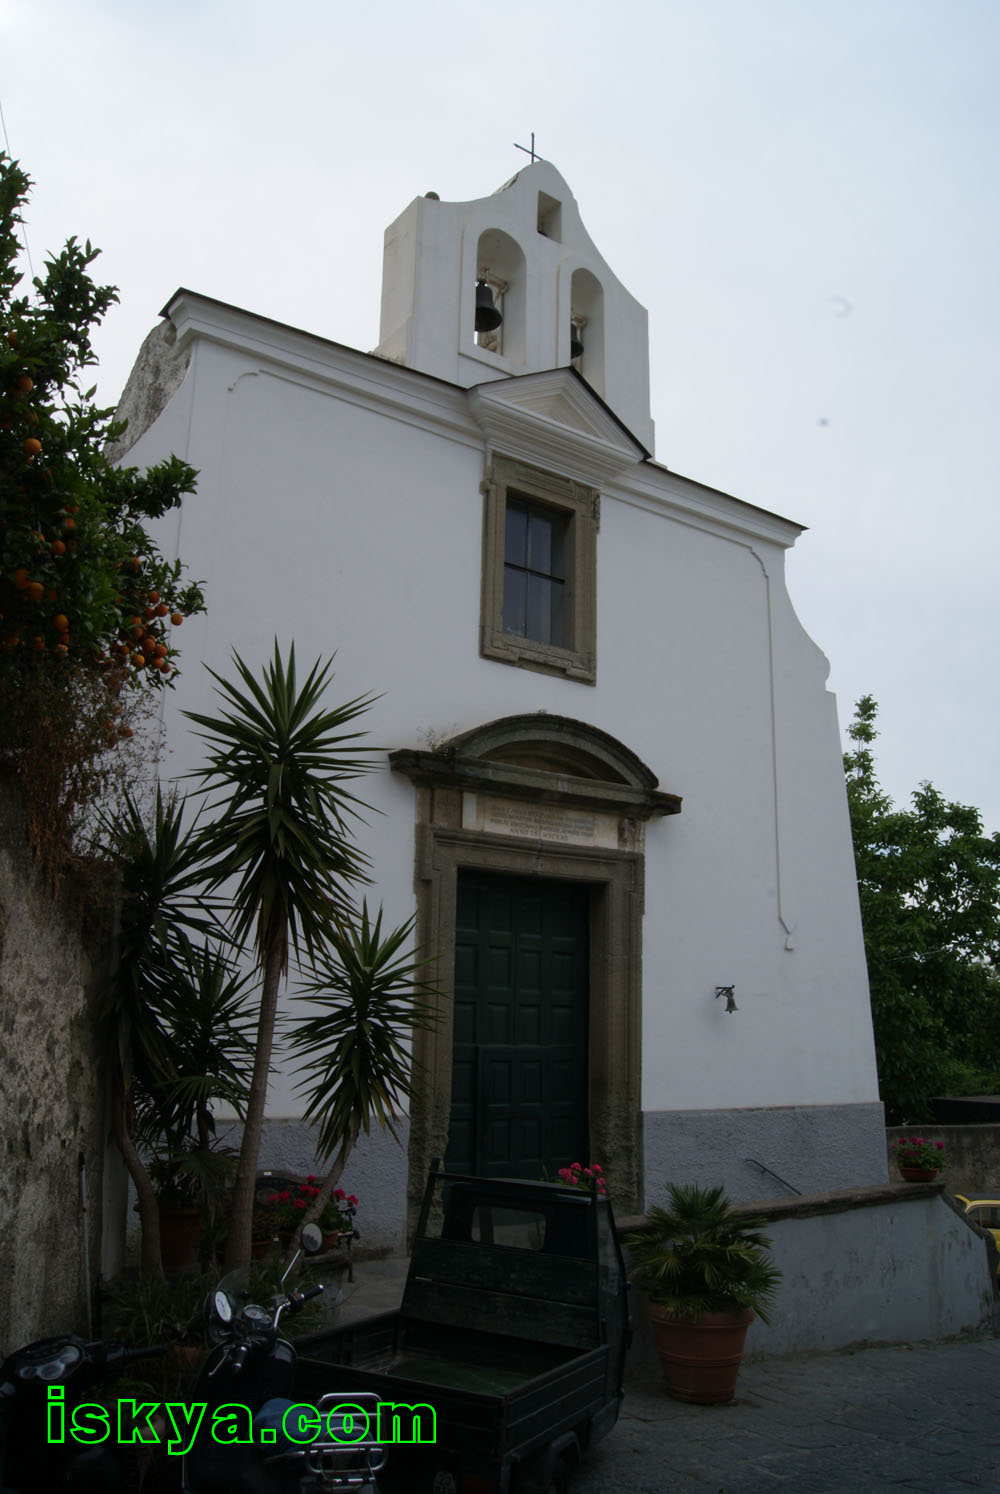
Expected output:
(301, 1298)
(123, 1356)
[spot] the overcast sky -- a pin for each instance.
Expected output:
(804, 193)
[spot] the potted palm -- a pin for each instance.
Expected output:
(706, 1273)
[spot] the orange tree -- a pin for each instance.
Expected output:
(88, 605)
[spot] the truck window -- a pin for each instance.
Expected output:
(494, 1224)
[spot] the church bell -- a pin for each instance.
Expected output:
(575, 341)
(487, 316)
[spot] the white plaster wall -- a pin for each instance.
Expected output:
(359, 531)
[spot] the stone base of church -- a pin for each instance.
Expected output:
(807, 1149)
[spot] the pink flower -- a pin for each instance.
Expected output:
(299, 1203)
(576, 1167)
(352, 1200)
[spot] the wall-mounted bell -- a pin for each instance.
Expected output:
(575, 340)
(487, 316)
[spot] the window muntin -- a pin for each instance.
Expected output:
(534, 572)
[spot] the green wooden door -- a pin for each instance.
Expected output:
(519, 1069)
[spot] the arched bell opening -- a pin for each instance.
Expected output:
(586, 332)
(500, 289)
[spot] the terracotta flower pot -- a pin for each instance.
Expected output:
(701, 1357)
(918, 1174)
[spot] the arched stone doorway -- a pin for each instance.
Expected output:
(538, 797)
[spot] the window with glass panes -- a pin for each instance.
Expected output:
(539, 592)
(534, 572)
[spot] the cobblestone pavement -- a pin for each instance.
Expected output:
(921, 1417)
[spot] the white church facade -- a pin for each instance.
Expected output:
(609, 783)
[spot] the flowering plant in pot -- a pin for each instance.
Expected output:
(706, 1273)
(916, 1155)
(576, 1176)
(283, 1210)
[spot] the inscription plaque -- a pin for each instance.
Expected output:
(492, 815)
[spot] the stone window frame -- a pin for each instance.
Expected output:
(580, 504)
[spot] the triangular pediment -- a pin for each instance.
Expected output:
(555, 421)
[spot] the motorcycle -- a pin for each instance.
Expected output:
(251, 1437)
(55, 1438)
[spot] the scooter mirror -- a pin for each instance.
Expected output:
(311, 1238)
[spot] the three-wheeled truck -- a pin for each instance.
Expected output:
(512, 1329)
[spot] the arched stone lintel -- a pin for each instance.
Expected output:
(545, 758)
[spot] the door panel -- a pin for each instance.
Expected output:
(519, 1073)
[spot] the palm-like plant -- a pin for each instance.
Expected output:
(699, 1255)
(367, 994)
(159, 870)
(278, 764)
(210, 1061)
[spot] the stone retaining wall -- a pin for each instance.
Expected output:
(51, 1108)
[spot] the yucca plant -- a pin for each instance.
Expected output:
(699, 1255)
(158, 862)
(278, 764)
(367, 994)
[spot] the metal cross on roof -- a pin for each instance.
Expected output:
(528, 152)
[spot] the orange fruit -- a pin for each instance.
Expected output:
(138, 660)
(32, 446)
(60, 622)
(126, 731)
(154, 596)
(176, 618)
(162, 610)
(24, 384)
(20, 578)
(35, 591)
(69, 524)
(58, 548)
